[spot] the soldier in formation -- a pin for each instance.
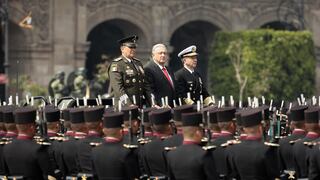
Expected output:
(127, 140)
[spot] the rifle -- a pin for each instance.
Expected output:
(142, 129)
(208, 128)
(42, 125)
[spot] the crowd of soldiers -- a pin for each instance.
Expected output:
(183, 142)
(158, 125)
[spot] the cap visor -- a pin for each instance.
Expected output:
(190, 54)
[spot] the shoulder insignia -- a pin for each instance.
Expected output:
(207, 148)
(79, 137)
(55, 138)
(170, 148)
(294, 141)
(224, 144)
(95, 144)
(234, 141)
(144, 140)
(6, 139)
(271, 144)
(36, 137)
(44, 143)
(117, 59)
(230, 142)
(60, 134)
(61, 138)
(204, 139)
(114, 67)
(309, 143)
(130, 146)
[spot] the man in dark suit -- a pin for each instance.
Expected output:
(190, 86)
(159, 78)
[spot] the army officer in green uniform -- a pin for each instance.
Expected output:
(127, 75)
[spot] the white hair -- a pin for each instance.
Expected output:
(156, 46)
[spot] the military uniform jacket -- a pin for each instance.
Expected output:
(2, 169)
(219, 154)
(191, 162)
(301, 154)
(159, 85)
(84, 147)
(153, 155)
(254, 160)
(314, 166)
(112, 160)
(187, 82)
(28, 159)
(69, 155)
(127, 78)
(286, 151)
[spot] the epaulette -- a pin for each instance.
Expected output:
(95, 144)
(55, 138)
(61, 138)
(164, 137)
(204, 139)
(39, 139)
(117, 59)
(78, 137)
(271, 144)
(230, 142)
(44, 143)
(36, 137)
(234, 141)
(6, 138)
(144, 141)
(130, 146)
(8, 142)
(208, 148)
(60, 134)
(4, 142)
(293, 141)
(310, 144)
(279, 137)
(170, 148)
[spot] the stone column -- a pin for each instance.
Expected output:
(64, 28)
(160, 17)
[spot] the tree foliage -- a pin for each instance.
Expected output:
(277, 64)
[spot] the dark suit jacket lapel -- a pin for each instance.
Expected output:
(159, 71)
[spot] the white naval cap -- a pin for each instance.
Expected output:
(189, 51)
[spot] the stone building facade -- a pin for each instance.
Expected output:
(69, 33)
